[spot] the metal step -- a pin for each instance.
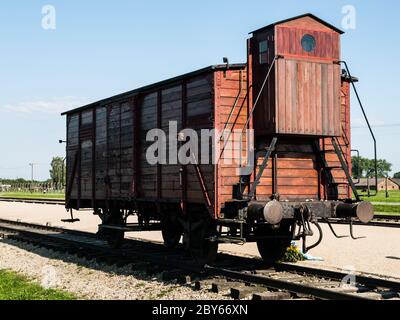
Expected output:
(338, 183)
(231, 221)
(333, 167)
(70, 220)
(233, 240)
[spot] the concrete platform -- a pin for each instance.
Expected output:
(379, 253)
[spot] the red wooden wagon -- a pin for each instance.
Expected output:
(294, 96)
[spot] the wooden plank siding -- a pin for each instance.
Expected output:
(148, 121)
(101, 152)
(111, 150)
(231, 112)
(200, 115)
(264, 115)
(301, 96)
(296, 167)
(288, 43)
(72, 153)
(306, 103)
(171, 112)
(344, 191)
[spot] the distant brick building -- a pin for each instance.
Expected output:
(365, 184)
(396, 181)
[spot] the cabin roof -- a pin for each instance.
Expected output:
(299, 17)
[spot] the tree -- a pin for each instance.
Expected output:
(359, 165)
(384, 168)
(397, 175)
(57, 171)
(365, 168)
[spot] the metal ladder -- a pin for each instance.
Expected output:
(263, 166)
(327, 169)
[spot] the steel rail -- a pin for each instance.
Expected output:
(38, 201)
(336, 275)
(284, 285)
(388, 223)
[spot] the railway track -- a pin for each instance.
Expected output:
(247, 280)
(37, 201)
(385, 221)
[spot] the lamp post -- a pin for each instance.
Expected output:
(63, 166)
(387, 187)
(32, 165)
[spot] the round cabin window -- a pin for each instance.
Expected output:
(308, 43)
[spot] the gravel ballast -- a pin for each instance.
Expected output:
(89, 279)
(378, 253)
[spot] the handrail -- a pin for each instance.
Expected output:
(358, 173)
(260, 93)
(369, 126)
(200, 177)
(250, 115)
(235, 103)
(229, 118)
(345, 137)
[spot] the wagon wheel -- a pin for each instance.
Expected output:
(273, 248)
(199, 242)
(113, 237)
(172, 230)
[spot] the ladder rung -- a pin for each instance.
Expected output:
(231, 221)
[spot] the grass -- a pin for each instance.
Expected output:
(385, 209)
(17, 287)
(394, 214)
(28, 195)
(394, 196)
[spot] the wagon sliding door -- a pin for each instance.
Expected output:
(72, 157)
(119, 159)
(79, 159)
(86, 142)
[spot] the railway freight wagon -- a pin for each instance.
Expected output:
(256, 152)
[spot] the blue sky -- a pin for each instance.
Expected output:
(101, 48)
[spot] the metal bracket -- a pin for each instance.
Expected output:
(321, 236)
(72, 220)
(333, 230)
(351, 231)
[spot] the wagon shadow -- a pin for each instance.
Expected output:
(111, 269)
(149, 272)
(393, 258)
